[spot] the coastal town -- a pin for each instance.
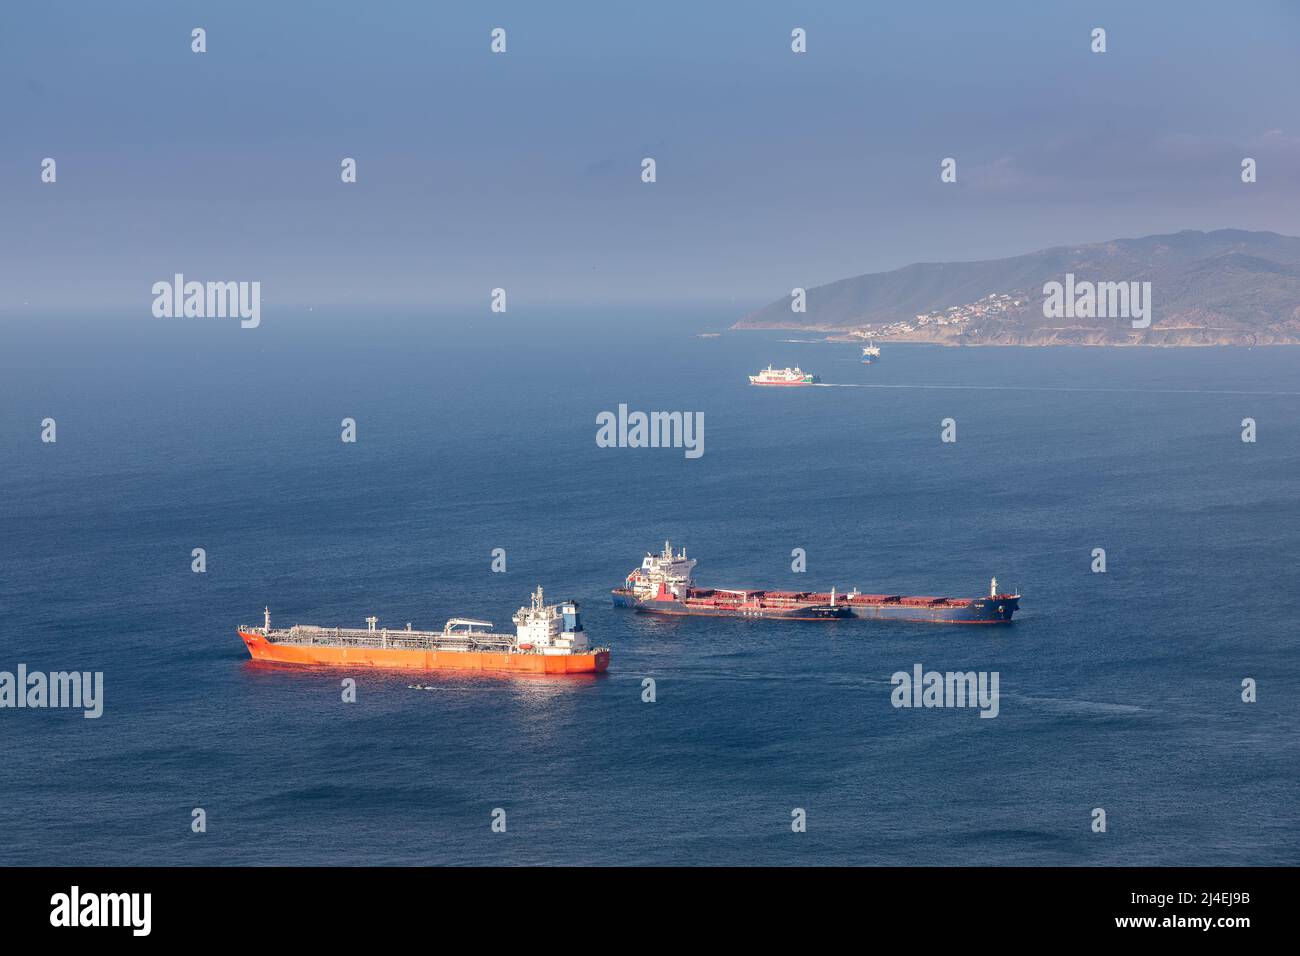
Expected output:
(955, 320)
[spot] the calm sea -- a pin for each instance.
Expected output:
(1119, 690)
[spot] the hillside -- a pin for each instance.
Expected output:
(1227, 287)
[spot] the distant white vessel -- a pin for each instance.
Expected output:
(870, 352)
(783, 376)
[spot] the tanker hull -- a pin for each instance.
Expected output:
(260, 649)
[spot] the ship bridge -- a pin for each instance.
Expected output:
(669, 566)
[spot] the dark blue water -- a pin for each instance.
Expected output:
(1119, 690)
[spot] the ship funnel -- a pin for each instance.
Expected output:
(267, 618)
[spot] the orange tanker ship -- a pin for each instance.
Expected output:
(549, 639)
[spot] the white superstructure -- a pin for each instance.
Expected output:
(669, 571)
(782, 376)
(550, 629)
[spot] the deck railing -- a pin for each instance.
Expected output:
(395, 639)
(380, 639)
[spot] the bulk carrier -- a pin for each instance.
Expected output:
(664, 584)
(548, 639)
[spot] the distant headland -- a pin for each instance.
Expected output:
(1227, 287)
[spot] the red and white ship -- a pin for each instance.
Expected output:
(548, 639)
(783, 376)
(665, 584)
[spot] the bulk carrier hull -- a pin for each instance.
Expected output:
(995, 610)
(665, 584)
(818, 607)
(703, 607)
(261, 649)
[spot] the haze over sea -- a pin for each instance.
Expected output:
(1119, 690)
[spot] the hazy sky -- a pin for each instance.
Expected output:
(522, 170)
